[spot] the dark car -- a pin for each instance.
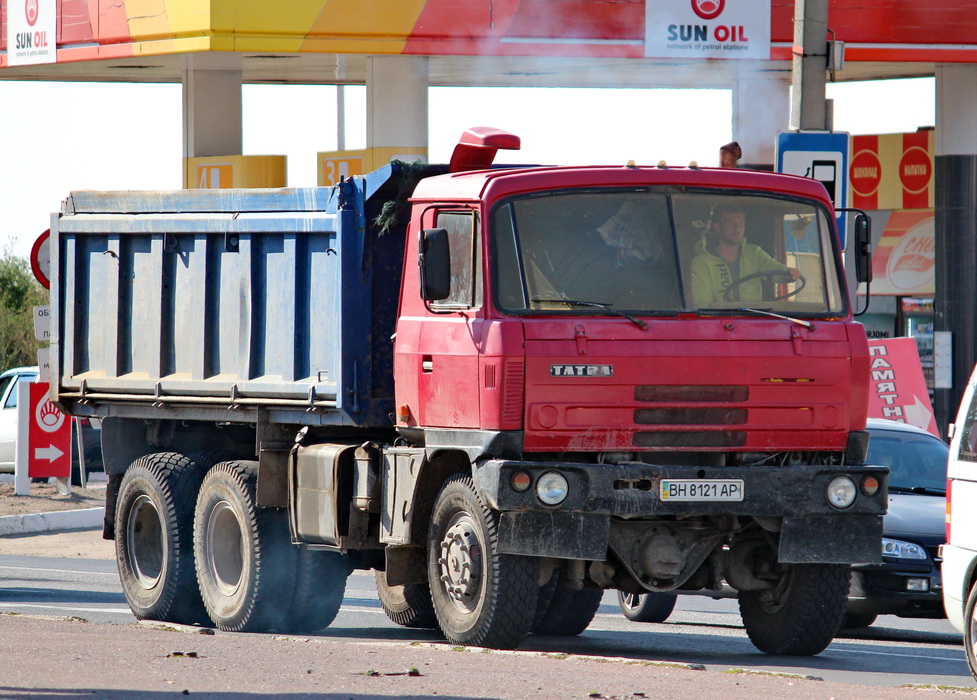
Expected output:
(907, 583)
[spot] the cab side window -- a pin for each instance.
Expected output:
(463, 246)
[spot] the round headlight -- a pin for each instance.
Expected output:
(552, 488)
(841, 492)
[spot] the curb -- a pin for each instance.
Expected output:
(50, 522)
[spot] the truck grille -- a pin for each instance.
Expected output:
(690, 416)
(691, 394)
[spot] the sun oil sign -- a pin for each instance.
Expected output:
(708, 29)
(31, 32)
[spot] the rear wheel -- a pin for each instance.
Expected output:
(801, 614)
(408, 605)
(646, 607)
(481, 597)
(154, 538)
(244, 556)
(320, 582)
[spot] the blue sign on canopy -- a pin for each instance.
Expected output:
(822, 155)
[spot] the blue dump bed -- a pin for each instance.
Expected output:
(219, 304)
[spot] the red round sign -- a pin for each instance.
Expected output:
(865, 173)
(708, 9)
(41, 259)
(30, 11)
(915, 170)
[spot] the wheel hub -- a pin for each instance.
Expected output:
(461, 562)
(145, 542)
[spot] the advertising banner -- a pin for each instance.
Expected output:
(897, 389)
(904, 261)
(32, 27)
(893, 171)
(708, 29)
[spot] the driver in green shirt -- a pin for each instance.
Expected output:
(724, 257)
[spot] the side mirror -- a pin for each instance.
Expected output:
(434, 260)
(863, 247)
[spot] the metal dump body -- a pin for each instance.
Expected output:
(218, 304)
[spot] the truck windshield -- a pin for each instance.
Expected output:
(656, 253)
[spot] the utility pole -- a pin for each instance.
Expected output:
(808, 108)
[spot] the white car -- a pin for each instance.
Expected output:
(960, 551)
(8, 412)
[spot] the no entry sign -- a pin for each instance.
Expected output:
(49, 436)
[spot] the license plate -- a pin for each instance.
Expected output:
(701, 490)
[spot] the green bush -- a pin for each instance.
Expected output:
(19, 294)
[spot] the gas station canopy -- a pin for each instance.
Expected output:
(472, 42)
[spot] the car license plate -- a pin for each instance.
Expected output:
(701, 490)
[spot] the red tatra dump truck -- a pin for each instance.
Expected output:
(504, 389)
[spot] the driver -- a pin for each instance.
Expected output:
(723, 258)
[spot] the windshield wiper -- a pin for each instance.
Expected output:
(598, 305)
(925, 490)
(761, 312)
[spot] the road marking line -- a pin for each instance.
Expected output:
(59, 571)
(117, 611)
(911, 656)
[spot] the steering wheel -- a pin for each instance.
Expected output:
(767, 273)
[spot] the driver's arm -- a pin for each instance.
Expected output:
(765, 263)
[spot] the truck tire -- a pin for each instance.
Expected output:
(408, 605)
(320, 583)
(481, 597)
(154, 538)
(802, 614)
(567, 612)
(244, 555)
(646, 607)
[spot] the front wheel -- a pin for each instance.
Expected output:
(970, 631)
(646, 607)
(480, 597)
(801, 614)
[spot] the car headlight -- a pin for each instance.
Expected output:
(552, 488)
(902, 550)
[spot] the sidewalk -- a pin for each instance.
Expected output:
(45, 510)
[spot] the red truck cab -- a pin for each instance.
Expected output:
(627, 396)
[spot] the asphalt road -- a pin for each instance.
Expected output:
(894, 652)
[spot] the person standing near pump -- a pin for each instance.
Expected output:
(724, 261)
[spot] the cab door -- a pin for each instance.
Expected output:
(446, 335)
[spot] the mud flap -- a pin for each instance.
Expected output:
(831, 539)
(554, 534)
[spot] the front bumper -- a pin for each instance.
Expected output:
(885, 589)
(813, 531)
